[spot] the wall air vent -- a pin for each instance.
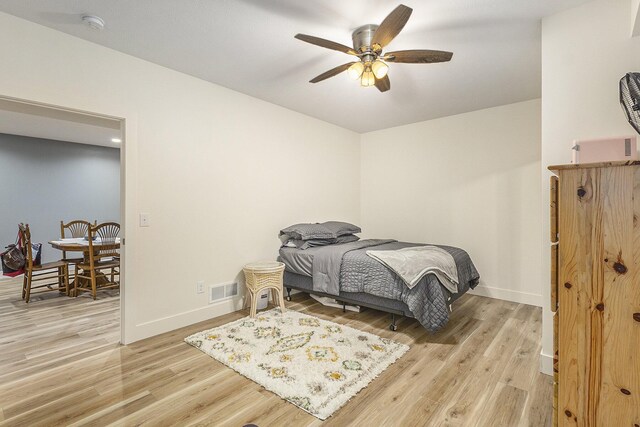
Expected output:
(222, 291)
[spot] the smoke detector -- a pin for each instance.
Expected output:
(94, 22)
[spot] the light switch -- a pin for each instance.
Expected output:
(144, 220)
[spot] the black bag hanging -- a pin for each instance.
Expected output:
(13, 259)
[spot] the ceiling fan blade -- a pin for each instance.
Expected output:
(391, 26)
(383, 84)
(332, 72)
(418, 56)
(326, 43)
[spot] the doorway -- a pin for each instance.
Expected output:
(61, 165)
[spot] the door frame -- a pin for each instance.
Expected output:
(128, 137)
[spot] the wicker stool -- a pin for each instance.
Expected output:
(260, 276)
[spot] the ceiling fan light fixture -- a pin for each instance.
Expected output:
(379, 68)
(355, 71)
(369, 42)
(368, 79)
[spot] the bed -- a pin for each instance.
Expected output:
(347, 274)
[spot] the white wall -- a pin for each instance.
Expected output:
(219, 172)
(472, 181)
(585, 52)
(58, 181)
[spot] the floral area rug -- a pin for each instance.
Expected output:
(315, 364)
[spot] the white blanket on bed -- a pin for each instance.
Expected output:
(413, 263)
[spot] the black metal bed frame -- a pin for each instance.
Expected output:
(352, 301)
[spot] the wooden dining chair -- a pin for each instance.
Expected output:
(103, 264)
(43, 276)
(75, 229)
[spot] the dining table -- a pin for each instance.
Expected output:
(80, 244)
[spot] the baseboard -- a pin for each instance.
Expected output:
(166, 324)
(546, 364)
(170, 323)
(508, 295)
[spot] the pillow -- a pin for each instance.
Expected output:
(306, 232)
(341, 228)
(306, 244)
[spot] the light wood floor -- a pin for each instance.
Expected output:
(60, 364)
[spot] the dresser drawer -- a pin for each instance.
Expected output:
(554, 277)
(553, 209)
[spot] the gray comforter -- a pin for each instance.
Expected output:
(327, 263)
(347, 268)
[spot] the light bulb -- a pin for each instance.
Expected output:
(379, 68)
(368, 79)
(355, 71)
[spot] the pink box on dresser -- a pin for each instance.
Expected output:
(605, 150)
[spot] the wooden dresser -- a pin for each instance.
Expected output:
(595, 293)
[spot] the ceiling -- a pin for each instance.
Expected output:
(248, 46)
(18, 118)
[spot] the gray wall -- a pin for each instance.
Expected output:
(43, 182)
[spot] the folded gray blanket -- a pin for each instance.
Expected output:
(413, 263)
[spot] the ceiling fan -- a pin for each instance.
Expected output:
(368, 42)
